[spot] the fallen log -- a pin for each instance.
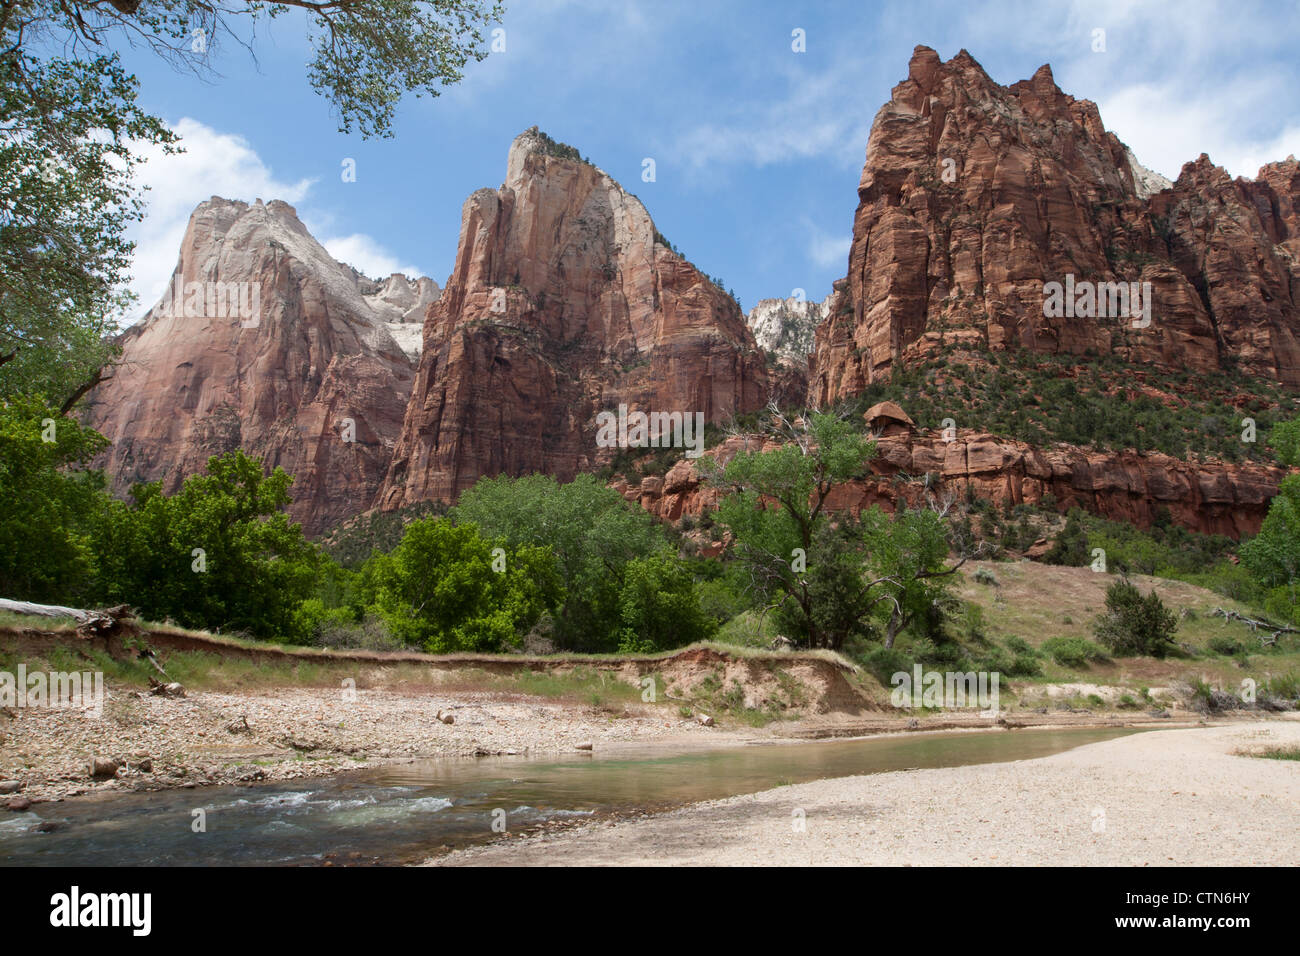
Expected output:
(90, 623)
(1277, 629)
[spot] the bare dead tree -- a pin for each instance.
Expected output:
(1271, 640)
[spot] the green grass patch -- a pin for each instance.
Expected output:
(1275, 753)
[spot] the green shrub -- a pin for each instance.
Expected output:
(1073, 651)
(1018, 645)
(1284, 686)
(744, 630)
(884, 662)
(1227, 646)
(1008, 664)
(1070, 547)
(1133, 624)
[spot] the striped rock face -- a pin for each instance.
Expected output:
(565, 302)
(976, 196)
(262, 341)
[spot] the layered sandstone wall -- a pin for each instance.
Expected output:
(563, 303)
(975, 195)
(1209, 497)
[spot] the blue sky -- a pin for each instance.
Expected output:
(758, 149)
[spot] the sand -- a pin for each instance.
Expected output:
(1163, 798)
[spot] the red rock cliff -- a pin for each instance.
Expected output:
(268, 347)
(974, 195)
(563, 303)
(1209, 497)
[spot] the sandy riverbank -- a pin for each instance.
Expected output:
(209, 738)
(1170, 797)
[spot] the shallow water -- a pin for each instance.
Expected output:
(402, 813)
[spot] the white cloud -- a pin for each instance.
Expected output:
(367, 256)
(1166, 127)
(825, 249)
(819, 115)
(226, 165)
(213, 164)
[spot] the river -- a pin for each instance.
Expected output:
(403, 813)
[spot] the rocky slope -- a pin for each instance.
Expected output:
(1209, 497)
(263, 342)
(563, 303)
(975, 195)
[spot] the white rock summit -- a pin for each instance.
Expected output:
(785, 326)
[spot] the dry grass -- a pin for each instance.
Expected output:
(1040, 601)
(1036, 602)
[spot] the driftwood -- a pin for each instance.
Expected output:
(1277, 629)
(102, 622)
(89, 622)
(102, 619)
(159, 689)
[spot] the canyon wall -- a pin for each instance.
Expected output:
(564, 302)
(262, 342)
(975, 195)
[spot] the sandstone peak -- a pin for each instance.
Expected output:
(786, 326)
(532, 150)
(561, 304)
(923, 66)
(262, 342)
(975, 195)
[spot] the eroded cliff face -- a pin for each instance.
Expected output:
(562, 304)
(1209, 497)
(786, 326)
(402, 305)
(263, 342)
(975, 195)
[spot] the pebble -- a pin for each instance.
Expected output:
(153, 742)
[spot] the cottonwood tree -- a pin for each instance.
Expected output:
(71, 135)
(610, 556)
(446, 588)
(219, 553)
(1273, 555)
(828, 580)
